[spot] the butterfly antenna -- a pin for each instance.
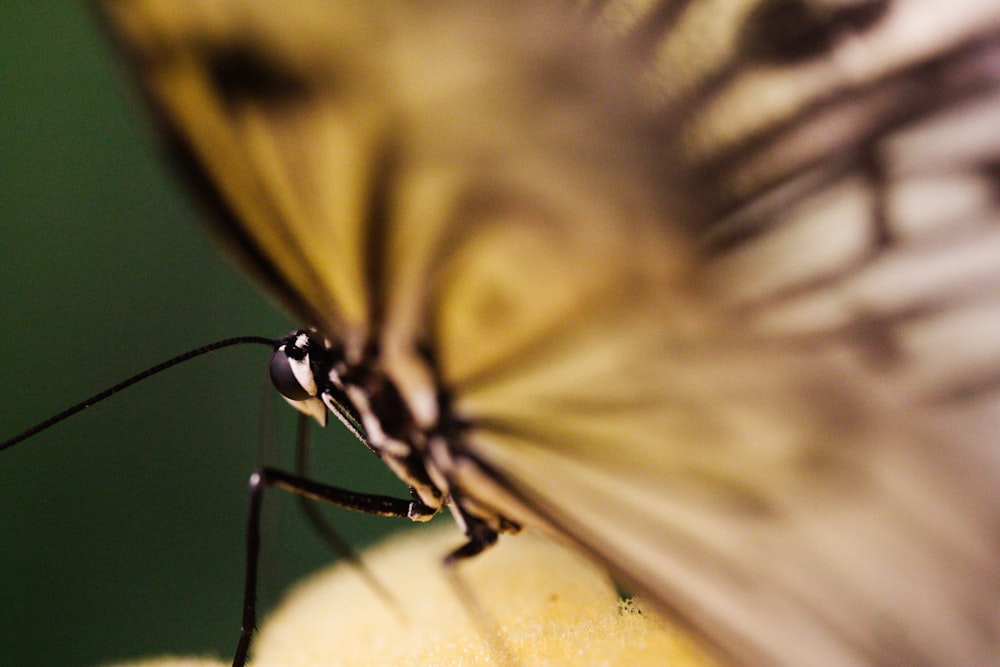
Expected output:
(139, 377)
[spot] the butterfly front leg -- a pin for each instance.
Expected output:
(263, 478)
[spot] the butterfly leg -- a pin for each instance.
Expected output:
(263, 478)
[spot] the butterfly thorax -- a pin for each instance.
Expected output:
(314, 375)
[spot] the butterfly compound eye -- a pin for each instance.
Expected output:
(284, 379)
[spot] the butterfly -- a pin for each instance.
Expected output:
(704, 289)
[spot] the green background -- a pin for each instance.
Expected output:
(121, 532)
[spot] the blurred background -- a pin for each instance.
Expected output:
(121, 531)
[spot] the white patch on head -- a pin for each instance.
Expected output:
(303, 374)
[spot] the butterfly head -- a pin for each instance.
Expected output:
(298, 360)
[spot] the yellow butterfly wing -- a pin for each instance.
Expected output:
(229, 83)
(596, 314)
(335, 140)
(825, 492)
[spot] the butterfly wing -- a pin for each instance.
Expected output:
(872, 202)
(788, 512)
(832, 498)
(393, 176)
(337, 145)
(256, 108)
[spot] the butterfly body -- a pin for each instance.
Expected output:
(314, 377)
(560, 283)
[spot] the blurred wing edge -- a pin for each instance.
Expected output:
(172, 82)
(883, 552)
